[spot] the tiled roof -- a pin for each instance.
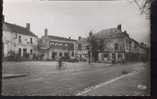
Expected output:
(17, 29)
(60, 38)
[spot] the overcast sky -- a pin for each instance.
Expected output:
(77, 18)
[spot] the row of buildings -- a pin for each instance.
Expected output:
(114, 44)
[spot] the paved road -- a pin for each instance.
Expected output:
(43, 78)
(125, 85)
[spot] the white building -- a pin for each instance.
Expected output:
(52, 47)
(19, 40)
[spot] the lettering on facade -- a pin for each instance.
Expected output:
(55, 44)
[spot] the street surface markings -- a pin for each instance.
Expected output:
(86, 90)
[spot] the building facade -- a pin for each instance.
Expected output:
(116, 46)
(53, 47)
(82, 49)
(19, 40)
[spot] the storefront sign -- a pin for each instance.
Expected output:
(61, 44)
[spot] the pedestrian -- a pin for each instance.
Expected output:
(113, 61)
(60, 62)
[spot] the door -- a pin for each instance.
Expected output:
(19, 51)
(54, 54)
(113, 57)
(25, 52)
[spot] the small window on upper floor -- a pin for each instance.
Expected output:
(31, 51)
(31, 40)
(116, 46)
(20, 39)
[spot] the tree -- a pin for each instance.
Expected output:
(95, 45)
(144, 6)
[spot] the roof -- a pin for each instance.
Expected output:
(60, 38)
(109, 33)
(83, 40)
(17, 29)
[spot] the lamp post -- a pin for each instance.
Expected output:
(88, 54)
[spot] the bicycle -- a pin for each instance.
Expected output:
(61, 66)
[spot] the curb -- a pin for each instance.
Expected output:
(7, 76)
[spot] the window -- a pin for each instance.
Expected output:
(119, 55)
(79, 46)
(31, 40)
(53, 55)
(31, 51)
(19, 51)
(60, 54)
(19, 39)
(24, 52)
(66, 45)
(72, 53)
(105, 55)
(116, 46)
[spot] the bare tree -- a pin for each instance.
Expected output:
(143, 5)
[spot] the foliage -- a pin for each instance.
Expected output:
(12, 56)
(95, 45)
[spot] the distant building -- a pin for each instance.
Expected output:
(19, 40)
(82, 49)
(52, 47)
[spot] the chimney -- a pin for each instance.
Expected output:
(46, 31)
(126, 33)
(28, 26)
(119, 27)
(79, 38)
(69, 37)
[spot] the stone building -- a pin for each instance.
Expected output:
(117, 46)
(19, 40)
(52, 47)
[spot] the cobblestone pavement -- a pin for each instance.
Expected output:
(44, 79)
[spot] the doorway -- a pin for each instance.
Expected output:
(54, 54)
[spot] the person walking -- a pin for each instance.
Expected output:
(60, 63)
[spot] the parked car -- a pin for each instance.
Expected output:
(83, 59)
(73, 59)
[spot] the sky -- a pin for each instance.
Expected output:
(77, 18)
